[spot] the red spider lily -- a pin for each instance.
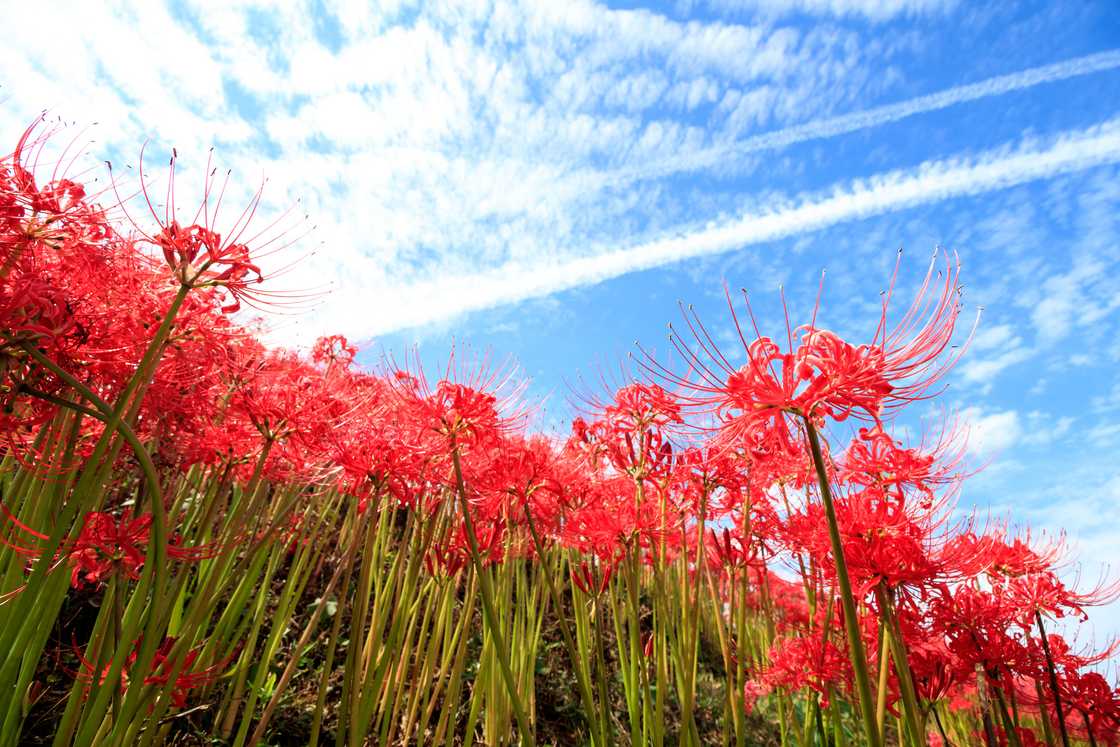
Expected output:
(1089, 695)
(453, 554)
(446, 560)
(874, 459)
(160, 671)
(51, 236)
(979, 630)
(463, 413)
(637, 407)
(198, 254)
(641, 454)
(333, 350)
(823, 375)
(609, 517)
(1017, 557)
(199, 259)
(46, 210)
(106, 545)
(88, 672)
(1025, 578)
(730, 551)
(592, 581)
(631, 432)
(519, 479)
(931, 663)
(469, 406)
(808, 662)
(188, 678)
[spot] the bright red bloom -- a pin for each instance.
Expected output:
(809, 661)
(108, 544)
(823, 376)
(187, 679)
(159, 672)
(334, 351)
(199, 255)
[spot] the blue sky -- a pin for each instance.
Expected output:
(548, 181)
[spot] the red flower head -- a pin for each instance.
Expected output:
(188, 677)
(333, 351)
(160, 671)
(469, 406)
(823, 376)
(107, 544)
(813, 662)
(201, 256)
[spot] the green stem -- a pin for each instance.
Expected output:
(1052, 672)
(901, 664)
(940, 726)
(851, 621)
(157, 548)
(565, 631)
(488, 610)
(308, 630)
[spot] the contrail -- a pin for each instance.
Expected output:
(875, 117)
(931, 182)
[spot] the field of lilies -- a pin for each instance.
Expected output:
(207, 541)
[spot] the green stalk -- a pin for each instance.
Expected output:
(1053, 675)
(985, 707)
(308, 630)
(332, 645)
(155, 562)
(565, 632)
(523, 723)
(940, 726)
(893, 631)
(884, 672)
(1047, 729)
(851, 621)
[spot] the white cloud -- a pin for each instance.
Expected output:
(990, 434)
(990, 337)
(1043, 429)
(475, 156)
(1080, 297)
(984, 370)
(874, 117)
(993, 349)
(872, 10)
(898, 190)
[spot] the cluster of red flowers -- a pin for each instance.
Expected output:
(179, 681)
(717, 463)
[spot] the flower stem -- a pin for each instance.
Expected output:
(1053, 679)
(597, 734)
(488, 607)
(847, 600)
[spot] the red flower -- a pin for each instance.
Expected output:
(823, 375)
(334, 350)
(188, 678)
(198, 254)
(160, 671)
(812, 662)
(107, 544)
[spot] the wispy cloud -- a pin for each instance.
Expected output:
(872, 10)
(874, 117)
(932, 182)
(990, 434)
(458, 157)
